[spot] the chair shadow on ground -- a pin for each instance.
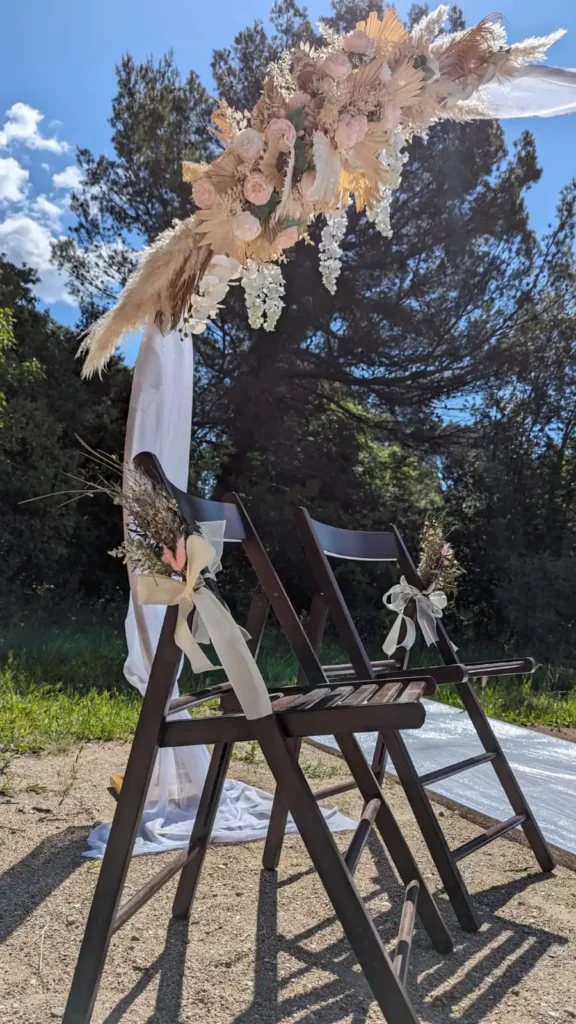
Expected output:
(469, 973)
(472, 972)
(49, 865)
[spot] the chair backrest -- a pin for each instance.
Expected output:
(240, 529)
(322, 542)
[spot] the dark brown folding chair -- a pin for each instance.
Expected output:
(322, 542)
(293, 714)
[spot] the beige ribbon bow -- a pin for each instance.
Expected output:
(429, 608)
(162, 590)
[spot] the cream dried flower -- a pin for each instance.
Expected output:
(204, 194)
(256, 189)
(351, 129)
(281, 134)
(357, 41)
(249, 145)
(246, 226)
(336, 65)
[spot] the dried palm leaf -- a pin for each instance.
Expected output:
(282, 210)
(387, 33)
(222, 172)
(377, 136)
(472, 48)
(269, 167)
(354, 182)
(367, 76)
(171, 266)
(327, 163)
(363, 159)
(406, 84)
(215, 227)
(191, 172)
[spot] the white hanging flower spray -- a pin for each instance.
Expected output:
(329, 248)
(264, 290)
(212, 290)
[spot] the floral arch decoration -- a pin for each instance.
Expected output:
(331, 126)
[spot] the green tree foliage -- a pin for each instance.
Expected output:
(345, 407)
(44, 404)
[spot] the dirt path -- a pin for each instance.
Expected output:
(518, 970)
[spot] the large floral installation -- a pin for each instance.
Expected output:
(331, 126)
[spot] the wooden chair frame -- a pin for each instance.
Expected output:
(296, 713)
(320, 542)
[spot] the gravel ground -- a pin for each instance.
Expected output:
(259, 950)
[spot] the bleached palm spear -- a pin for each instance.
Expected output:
(158, 290)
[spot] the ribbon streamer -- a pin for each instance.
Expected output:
(162, 590)
(429, 608)
(214, 625)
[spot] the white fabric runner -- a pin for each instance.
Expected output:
(159, 421)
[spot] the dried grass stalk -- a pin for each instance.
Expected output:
(167, 275)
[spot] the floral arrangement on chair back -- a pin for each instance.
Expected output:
(332, 123)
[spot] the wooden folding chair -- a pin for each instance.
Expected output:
(322, 542)
(292, 715)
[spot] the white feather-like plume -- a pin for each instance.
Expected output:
(163, 282)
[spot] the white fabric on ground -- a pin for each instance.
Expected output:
(535, 91)
(545, 767)
(159, 421)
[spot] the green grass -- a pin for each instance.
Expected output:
(62, 684)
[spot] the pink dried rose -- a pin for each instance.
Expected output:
(204, 194)
(176, 560)
(256, 189)
(248, 144)
(281, 134)
(351, 129)
(287, 238)
(299, 99)
(246, 226)
(307, 182)
(336, 65)
(357, 42)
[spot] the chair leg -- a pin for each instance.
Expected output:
(100, 924)
(131, 800)
(379, 759)
(278, 819)
(433, 835)
(203, 824)
(337, 880)
(395, 842)
(506, 776)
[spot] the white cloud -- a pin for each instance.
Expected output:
(22, 125)
(70, 177)
(47, 211)
(24, 240)
(13, 181)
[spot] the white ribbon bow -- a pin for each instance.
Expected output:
(163, 590)
(213, 622)
(429, 607)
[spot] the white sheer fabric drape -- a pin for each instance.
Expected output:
(159, 421)
(535, 91)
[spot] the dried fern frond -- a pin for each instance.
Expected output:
(226, 120)
(270, 105)
(387, 33)
(167, 271)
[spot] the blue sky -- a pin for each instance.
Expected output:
(58, 63)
